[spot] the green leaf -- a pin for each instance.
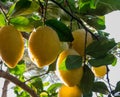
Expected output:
(117, 88)
(71, 62)
(25, 7)
(98, 22)
(100, 87)
(101, 47)
(20, 20)
(101, 8)
(11, 9)
(22, 23)
(2, 20)
(24, 94)
(53, 87)
(38, 84)
(87, 80)
(88, 95)
(19, 69)
(62, 30)
(106, 60)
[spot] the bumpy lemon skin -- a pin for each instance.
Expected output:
(66, 91)
(68, 77)
(99, 71)
(11, 45)
(79, 40)
(43, 46)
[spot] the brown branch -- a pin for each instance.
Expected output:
(17, 82)
(76, 18)
(5, 86)
(25, 35)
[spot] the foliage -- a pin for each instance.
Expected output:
(64, 16)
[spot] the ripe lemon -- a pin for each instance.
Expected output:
(68, 77)
(43, 46)
(79, 40)
(11, 45)
(66, 91)
(99, 71)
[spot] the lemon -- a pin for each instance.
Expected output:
(79, 40)
(68, 77)
(43, 94)
(99, 71)
(66, 91)
(11, 45)
(43, 46)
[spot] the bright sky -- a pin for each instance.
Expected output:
(113, 27)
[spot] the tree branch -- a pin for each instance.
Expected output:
(17, 82)
(76, 18)
(5, 86)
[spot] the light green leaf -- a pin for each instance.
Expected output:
(19, 69)
(54, 87)
(20, 20)
(2, 20)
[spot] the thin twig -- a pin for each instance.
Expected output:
(45, 10)
(36, 76)
(18, 83)
(85, 46)
(76, 18)
(108, 80)
(71, 13)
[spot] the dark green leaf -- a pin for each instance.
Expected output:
(88, 95)
(2, 20)
(101, 47)
(38, 84)
(100, 87)
(117, 88)
(71, 62)
(18, 70)
(106, 60)
(101, 8)
(87, 80)
(53, 87)
(62, 30)
(25, 7)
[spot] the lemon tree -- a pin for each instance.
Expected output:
(57, 48)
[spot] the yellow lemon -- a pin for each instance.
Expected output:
(68, 77)
(66, 91)
(43, 46)
(99, 71)
(79, 40)
(11, 45)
